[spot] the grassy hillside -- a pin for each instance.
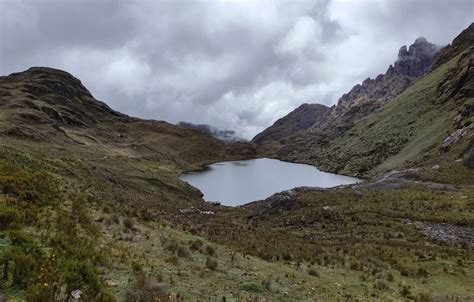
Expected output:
(90, 200)
(340, 244)
(407, 131)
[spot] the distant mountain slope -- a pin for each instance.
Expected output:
(49, 105)
(405, 124)
(300, 119)
(367, 97)
(228, 136)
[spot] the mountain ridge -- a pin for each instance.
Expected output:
(337, 139)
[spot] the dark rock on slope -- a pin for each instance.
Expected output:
(396, 120)
(461, 42)
(369, 96)
(361, 100)
(302, 118)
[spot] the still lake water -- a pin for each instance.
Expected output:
(235, 183)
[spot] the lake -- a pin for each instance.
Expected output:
(234, 183)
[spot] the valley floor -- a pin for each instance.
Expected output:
(112, 227)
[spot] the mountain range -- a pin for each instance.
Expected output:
(91, 204)
(399, 118)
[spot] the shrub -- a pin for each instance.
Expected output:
(211, 263)
(405, 291)
(172, 246)
(81, 274)
(24, 266)
(381, 285)
(252, 287)
(128, 223)
(196, 245)
(42, 293)
(422, 272)
(8, 217)
(146, 215)
(136, 267)
(210, 250)
(183, 252)
(105, 296)
(424, 297)
(115, 219)
(147, 289)
(313, 272)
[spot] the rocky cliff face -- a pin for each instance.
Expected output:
(365, 98)
(302, 118)
(407, 115)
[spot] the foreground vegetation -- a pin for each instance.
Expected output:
(91, 204)
(348, 243)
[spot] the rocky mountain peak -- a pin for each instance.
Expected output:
(416, 59)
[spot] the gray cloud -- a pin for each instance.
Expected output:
(238, 65)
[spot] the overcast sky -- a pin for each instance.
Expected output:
(233, 64)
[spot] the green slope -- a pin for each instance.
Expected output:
(406, 131)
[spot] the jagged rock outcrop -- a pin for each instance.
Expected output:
(302, 118)
(360, 101)
(464, 40)
(396, 119)
(365, 98)
(416, 60)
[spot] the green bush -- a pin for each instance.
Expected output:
(9, 217)
(211, 263)
(80, 274)
(128, 224)
(105, 296)
(24, 267)
(196, 245)
(381, 285)
(313, 272)
(252, 287)
(147, 289)
(210, 250)
(183, 252)
(42, 293)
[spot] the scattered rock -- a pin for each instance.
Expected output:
(435, 167)
(437, 186)
(283, 201)
(406, 174)
(195, 211)
(398, 179)
(444, 231)
(207, 212)
(188, 211)
(386, 183)
(469, 155)
(452, 139)
(328, 209)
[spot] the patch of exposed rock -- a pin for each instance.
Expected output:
(399, 179)
(283, 201)
(445, 232)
